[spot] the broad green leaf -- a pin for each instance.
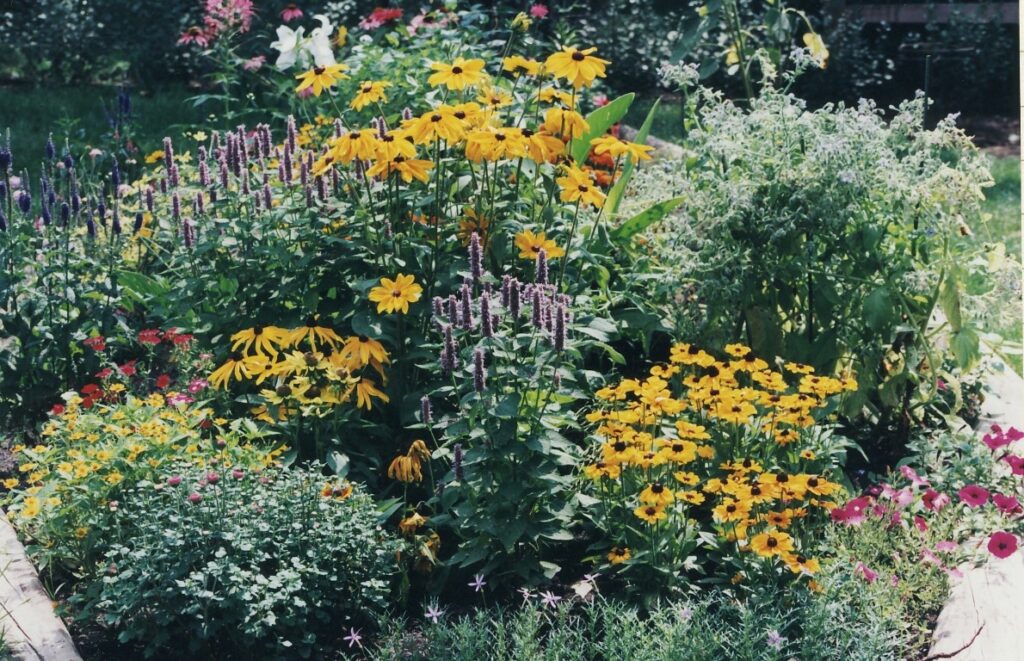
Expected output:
(878, 308)
(600, 121)
(644, 219)
(617, 191)
(949, 299)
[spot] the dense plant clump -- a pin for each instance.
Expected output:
(269, 563)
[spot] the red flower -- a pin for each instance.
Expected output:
(920, 523)
(163, 381)
(87, 402)
(90, 389)
(1002, 544)
(104, 373)
(379, 17)
(865, 571)
(96, 343)
(291, 13)
(149, 336)
(57, 409)
(128, 369)
(1006, 504)
(853, 513)
(973, 495)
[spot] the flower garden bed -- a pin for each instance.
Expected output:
(410, 352)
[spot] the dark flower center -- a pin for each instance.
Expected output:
(657, 487)
(499, 136)
(318, 70)
(435, 118)
(460, 114)
(578, 56)
(456, 70)
(772, 542)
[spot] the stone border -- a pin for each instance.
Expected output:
(32, 630)
(981, 620)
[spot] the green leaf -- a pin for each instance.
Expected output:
(965, 344)
(613, 355)
(600, 121)
(878, 308)
(644, 219)
(949, 300)
(617, 191)
(508, 407)
(338, 462)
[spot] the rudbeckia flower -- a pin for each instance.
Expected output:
(460, 74)
(577, 185)
(769, 544)
(370, 91)
(364, 349)
(609, 144)
(656, 494)
(650, 513)
(261, 338)
(438, 124)
(495, 144)
(516, 63)
(542, 147)
(531, 244)
(366, 390)
(618, 555)
(313, 332)
(579, 67)
(354, 145)
(566, 123)
(320, 78)
(396, 295)
(408, 169)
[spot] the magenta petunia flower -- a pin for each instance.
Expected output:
(935, 501)
(862, 569)
(912, 475)
(1006, 504)
(1002, 544)
(1016, 463)
(973, 495)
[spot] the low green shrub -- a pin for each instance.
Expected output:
(269, 564)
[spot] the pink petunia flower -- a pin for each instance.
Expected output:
(866, 572)
(912, 475)
(920, 523)
(973, 495)
(935, 501)
(1006, 504)
(1016, 463)
(946, 546)
(1002, 544)
(929, 558)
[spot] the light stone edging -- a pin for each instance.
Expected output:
(32, 630)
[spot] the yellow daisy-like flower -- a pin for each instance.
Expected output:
(650, 513)
(577, 186)
(530, 244)
(769, 544)
(366, 390)
(396, 295)
(495, 144)
(609, 144)
(407, 169)
(656, 494)
(154, 156)
(320, 78)
(460, 74)
(618, 555)
(370, 91)
(579, 67)
(516, 63)
(438, 124)
(566, 123)
(261, 338)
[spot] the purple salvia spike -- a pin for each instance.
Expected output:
(475, 257)
(466, 312)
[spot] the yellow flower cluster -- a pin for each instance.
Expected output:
(87, 454)
(703, 441)
(310, 369)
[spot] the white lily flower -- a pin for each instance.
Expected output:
(289, 43)
(319, 42)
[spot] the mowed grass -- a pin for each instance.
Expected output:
(1002, 201)
(32, 113)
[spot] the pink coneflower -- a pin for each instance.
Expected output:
(865, 571)
(973, 495)
(539, 10)
(1002, 544)
(935, 501)
(195, 385)
(291, 13)
(1006, 504)
(194, 35)
(254, 63)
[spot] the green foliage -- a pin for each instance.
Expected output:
(242, 563)
(797, 239)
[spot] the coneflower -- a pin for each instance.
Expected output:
(475, 257)
(542, 267)
(426, 416)
(479, 377)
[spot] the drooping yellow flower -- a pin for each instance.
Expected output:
(370, 91)
(312, 332)
(460, 74)
(579, 67)
(609, 144)
(233, 367)
(411, 523)
(555, 95)
(361, 144)
(321, 78)
(396, 295)
(154, 156)
(261, 338)
(816, 45)
(566, 123)
(363, 349)
(366, 390)
(531, 244)
(542, 147)
(577, 185)
(516, 63)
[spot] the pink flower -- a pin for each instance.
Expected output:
(940, 384)
(903, 497)
(237, 473)
(994, 442)
(1016, 463)
(973, 495)
(1006, 504)
(912, 475)
(212, 478)
(174, 480)
(935, 501)
(195, 498)
(539, 10)
(1002, 544)
(305, 93)
(128, 369)
(291, 13)
(379, 16)
(920, 523)
(194, 35)
(254, 63)
(149, 336)
(929, 558)
(894, 580)
(600, 100)
(864, 571)
(946, 546)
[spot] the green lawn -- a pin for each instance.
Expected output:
(31, 113)
(1003, 202)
